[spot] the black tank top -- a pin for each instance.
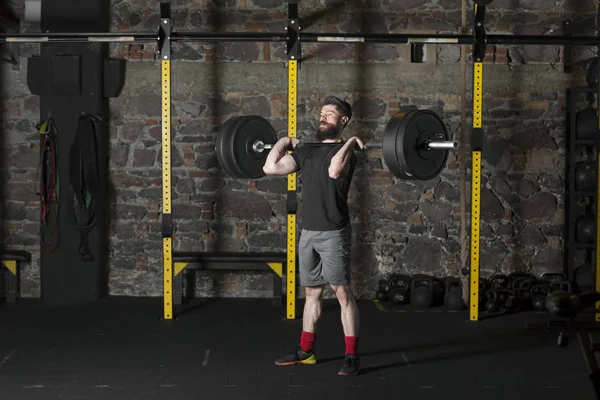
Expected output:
(325, 200)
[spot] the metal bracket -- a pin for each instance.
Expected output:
(294, 50)
(480, 36)
(567, 49)
(164, 31)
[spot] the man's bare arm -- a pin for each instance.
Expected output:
(279, 162)
(340, 163)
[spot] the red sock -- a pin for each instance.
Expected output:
(351, 344)
(307, 341)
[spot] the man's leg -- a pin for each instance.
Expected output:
(312, 312)
(335, 254)
(349, 311)
(310, 268)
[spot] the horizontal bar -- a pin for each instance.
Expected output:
(228, 37)
(305, 37)
(104, 37)
(229, 257)
(386, 38)
(141, 37)
(259, 146)
(232, 266)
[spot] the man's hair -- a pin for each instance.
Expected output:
(342, 106)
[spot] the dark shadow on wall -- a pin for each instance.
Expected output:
(362, 252)
(213, 21)
(7, 17)
(579, 57)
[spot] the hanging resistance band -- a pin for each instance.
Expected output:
(48, 189)
(85, 180)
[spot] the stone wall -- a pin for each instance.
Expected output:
(401, 226)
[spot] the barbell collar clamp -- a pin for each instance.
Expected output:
(259, 146)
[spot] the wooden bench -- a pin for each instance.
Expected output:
(11, 259)
(239, 261)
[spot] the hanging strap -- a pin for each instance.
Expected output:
(48, 185)
(85, 180)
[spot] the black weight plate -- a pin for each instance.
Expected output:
(224, 147)
(586, 124)
(404, 142)
(249, 130)
(390, 136)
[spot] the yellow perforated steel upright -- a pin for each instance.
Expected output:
(476, 149)
(475, 196)
(166, 185)
(291, 222)
(167, 217)
(293, 54)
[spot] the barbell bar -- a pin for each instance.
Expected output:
(415, 145)
(259, 146)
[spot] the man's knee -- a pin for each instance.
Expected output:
(313, 292)
(343, 293)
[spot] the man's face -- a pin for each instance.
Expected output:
(330, 123)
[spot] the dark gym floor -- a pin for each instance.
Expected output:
(120, 348)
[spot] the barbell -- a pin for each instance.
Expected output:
(415, 145)
(259, 146)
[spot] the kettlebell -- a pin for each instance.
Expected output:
(381, 293)
(398, 295)
(515, 279)
(497, 299)
(421, 291)
(498, 281)
(558, 296)
(453, 294)
(538, 293)
(398, 292)
(492, 303)
(523, 292)
(553, 276)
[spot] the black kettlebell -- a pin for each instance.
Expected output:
(553, 276)
(558, 297)
(515, 279)
(381, 293)
(453, 298)
(398, 292)
(497, 299)
(398, 295)
(498, 281)
(492, 303)
(523, 292)
(421, 291)
(538, 293)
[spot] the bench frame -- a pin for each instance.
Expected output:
(222, 261)
(10, 260)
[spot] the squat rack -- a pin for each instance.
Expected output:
(293, 37)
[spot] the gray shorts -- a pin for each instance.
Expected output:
(324, 257)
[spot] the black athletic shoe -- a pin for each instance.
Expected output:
(298, 356)
(351, 365)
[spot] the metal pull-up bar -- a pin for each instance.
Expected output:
(145, 37)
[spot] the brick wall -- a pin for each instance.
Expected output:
(402, 226)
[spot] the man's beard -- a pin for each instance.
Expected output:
(327, 131)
